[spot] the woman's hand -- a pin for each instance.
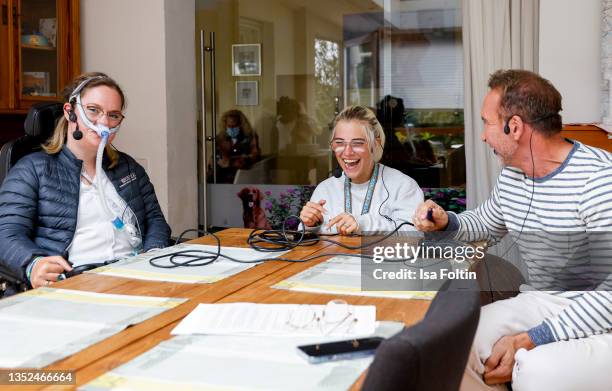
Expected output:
(47, 270)
(312, 213)
(345, 224)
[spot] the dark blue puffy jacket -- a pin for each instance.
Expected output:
(39, 200)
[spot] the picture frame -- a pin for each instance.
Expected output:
(246, 59)
(36, 84)
(48, 28)
(247, 93)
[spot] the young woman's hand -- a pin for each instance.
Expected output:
(312, 213)
(345, 224)
(47, 270)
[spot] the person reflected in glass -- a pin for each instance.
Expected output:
(413, 152)
(363, 195)
(237, 146)
(294, 126)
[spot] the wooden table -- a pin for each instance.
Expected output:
(196, 293)
(252, 285)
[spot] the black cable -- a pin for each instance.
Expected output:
(195, 257)
(276, 240)
(199, 231)
(382, 177)
(530, 198)
(281, 241)
(524, 220)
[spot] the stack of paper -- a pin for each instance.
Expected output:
(341, 275)
(138, 267)
(278, 320)
(234, 363)
(44, 325)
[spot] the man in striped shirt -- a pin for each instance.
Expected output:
(554, 197)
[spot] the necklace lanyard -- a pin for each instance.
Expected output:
(368, 199)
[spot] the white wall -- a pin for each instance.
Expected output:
(570, 55)
(147, 47)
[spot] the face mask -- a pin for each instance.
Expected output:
(233, 132)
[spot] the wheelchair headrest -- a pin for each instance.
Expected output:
(42, 118)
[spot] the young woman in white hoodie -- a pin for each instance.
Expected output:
(365, 195)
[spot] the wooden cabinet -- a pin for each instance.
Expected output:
(39, 51)
(589, 135)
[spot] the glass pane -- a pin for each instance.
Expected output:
(38, 44)
(285, 68)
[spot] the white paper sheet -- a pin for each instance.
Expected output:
(138, 267)
(341, 275)
(278, 320)
(234, 363)
(44, 325)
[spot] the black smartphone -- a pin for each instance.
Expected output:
(340, 350)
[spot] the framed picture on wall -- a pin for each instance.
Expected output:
(246, 60)
(36, 84)
(246, 93)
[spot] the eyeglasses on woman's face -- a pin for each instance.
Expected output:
(95, 113)
(357, 145)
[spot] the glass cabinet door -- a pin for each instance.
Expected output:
(38, 50)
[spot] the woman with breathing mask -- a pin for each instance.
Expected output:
(237, 146)
(363, 195)
(80, 200)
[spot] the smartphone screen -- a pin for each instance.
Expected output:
(340, 350)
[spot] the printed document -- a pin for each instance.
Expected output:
(41, 326)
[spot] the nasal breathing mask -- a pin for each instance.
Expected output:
(132, 233)
(101, 130)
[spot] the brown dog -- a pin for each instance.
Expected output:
(253, 214)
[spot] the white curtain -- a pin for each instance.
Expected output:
(497, 34)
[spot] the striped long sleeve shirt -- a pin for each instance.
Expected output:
(562, 224)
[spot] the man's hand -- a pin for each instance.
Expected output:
(47, 269)
(437, 214)
(345, 224)
(312, 213)
(498, 367)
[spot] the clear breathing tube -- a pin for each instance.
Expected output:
(133, 234)
(99, 173)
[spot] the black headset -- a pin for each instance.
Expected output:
(337, 171)
(507, 127)
(77, 134)
(507, 124)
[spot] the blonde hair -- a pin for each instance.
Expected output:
(373, 130)
(56, 142)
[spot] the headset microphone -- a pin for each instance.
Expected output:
(337, 172)
(507, 127)
(77, 134)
